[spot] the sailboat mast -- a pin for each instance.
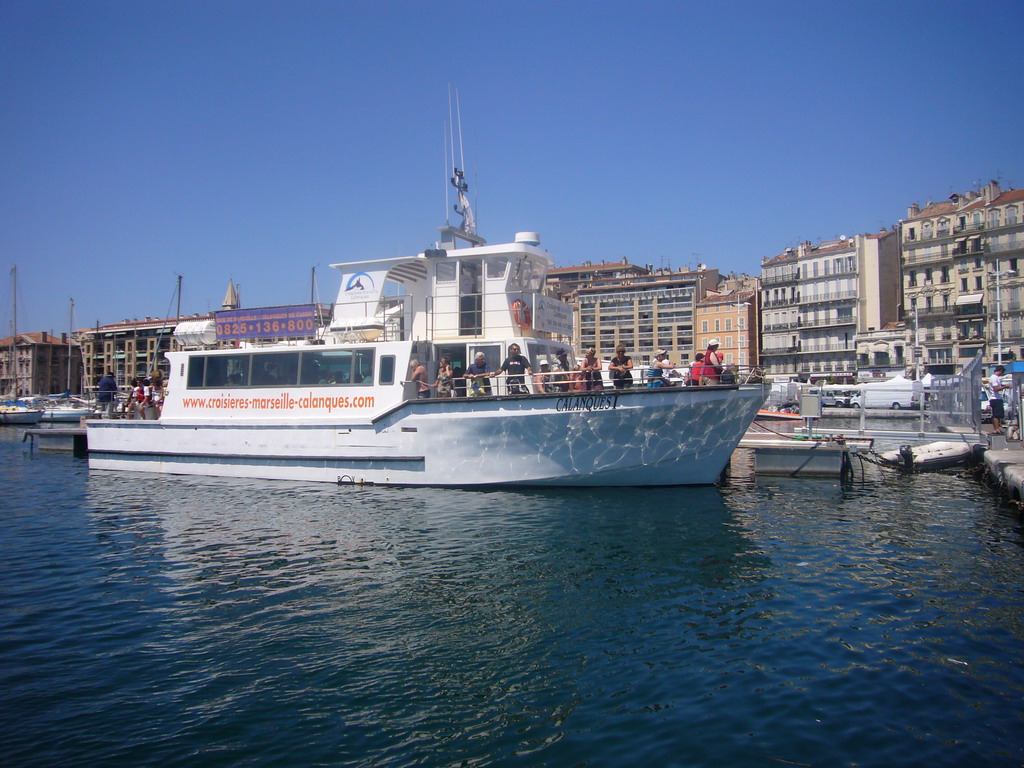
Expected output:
(71, 326)
(14, 329)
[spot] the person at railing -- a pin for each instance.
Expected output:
(621, 367)
(728, 375)
(443, 385)
(478, 376)
(659, 369)
(696, 370)
(419, 376)
(515, 365)
(577, 382)
(561, 383)
(591, 369)
(541, 381)
(712, 364)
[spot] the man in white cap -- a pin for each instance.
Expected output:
(712, 364)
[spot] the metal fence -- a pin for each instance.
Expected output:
(954, 402)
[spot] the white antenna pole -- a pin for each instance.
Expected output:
(447, 207)
(451, 124)
(458, 111)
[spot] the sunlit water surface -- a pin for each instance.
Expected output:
(168, 621)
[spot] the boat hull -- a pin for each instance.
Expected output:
(20, 417)
(665, 436)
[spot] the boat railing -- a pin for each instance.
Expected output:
(556, 382)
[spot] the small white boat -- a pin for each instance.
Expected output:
(930, 456)
(65, 410)
(17, 413)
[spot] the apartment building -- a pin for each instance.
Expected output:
(39, 363)
(962, 278)
(816, 299)
(733, 319)
(642, 312)
(564, 281)
(130, 349)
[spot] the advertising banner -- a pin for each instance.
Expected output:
(266, 322)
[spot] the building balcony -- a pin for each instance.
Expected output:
(828, 323)
(971, 310)
(789, 277)
(829, 297)
(782, 302)
(780, 327)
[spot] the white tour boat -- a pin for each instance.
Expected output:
(341, 406)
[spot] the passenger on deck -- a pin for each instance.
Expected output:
(443, 385)
(658, 372)
(591, 368)
(621, 367)
(515, 366)
(542, 380)
(478, 376)
(419, 375)
(696, 370)
(728, 375)
(712, 364)
(561, 383)
(577, 382)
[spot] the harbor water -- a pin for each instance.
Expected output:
(169, 621)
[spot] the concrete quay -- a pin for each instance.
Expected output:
(1004, 467)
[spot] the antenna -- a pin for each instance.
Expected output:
(458, 112)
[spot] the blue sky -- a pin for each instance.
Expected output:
(256, 140)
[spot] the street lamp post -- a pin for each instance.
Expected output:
(917, 340)
(739, 308)
(999, 310)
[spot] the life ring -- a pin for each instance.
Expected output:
(521, 314)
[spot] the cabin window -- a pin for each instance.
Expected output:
(446, 272)
(324, 368)
(340, 366)
(284, 369)
(497, 266)
(387, 369)
(227, 371)
(275, 369)
(196, 367)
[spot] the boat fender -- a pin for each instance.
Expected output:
(907, 454)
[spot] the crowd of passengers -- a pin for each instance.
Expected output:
(562, 376)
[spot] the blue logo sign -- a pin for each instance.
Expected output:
(359, 282)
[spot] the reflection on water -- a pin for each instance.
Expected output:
(154, 620)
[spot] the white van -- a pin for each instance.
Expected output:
(894, 394)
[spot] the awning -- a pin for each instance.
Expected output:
(969, 298)
(961, 239)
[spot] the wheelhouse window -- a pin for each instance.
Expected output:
(446, 272)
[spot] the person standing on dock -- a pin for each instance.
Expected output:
(996, 385)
